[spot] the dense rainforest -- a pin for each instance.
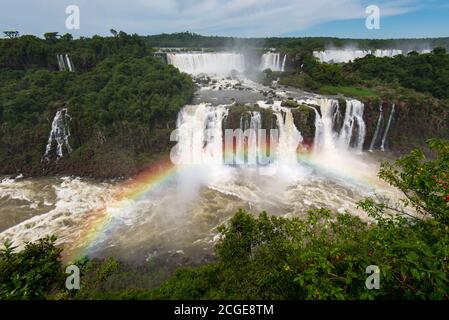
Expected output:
(121, 104)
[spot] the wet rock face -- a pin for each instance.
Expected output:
(400, 128)
(411, 124)
(304, 118)
(237, 113)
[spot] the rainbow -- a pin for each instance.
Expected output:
(162, 172)
(154, 176)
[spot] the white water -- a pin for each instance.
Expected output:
(273, 61)
(222, 63)
(201, 141)
(387, 129)
(69, 63)
(353, 118)
(61, 63)
(250, 124)
(59, 134)
(65, 63)
(346, 55)
(377, 130)
(351, 136)
(200, 135)
(290, 137)
(57, 206)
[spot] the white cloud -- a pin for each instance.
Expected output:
(225, 17)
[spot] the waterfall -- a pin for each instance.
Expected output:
(353, 116)
(325, 136)
(61, 63)
(387, 129)
(59, 134)
(272, 60)
(200, 134)
(250, 124)
(211, 63)
(283, 63)
(352, 133)
(290, 137)
(376, 132)
(69, 63)
(346, 55)
(201, 141)
(65, 63)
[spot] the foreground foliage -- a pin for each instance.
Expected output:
(31, 273)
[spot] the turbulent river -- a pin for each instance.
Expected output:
(176, 210)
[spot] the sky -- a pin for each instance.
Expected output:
(241, 18)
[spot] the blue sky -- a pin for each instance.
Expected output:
(341, 18)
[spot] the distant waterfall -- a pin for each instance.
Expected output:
(271, 60)
(376, 132)
(346, 55)
(65, 63)
(210, 63)
(352, 133)
(387, 129)
(59, 134)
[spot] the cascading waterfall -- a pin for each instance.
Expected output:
(353, 116)
(283, 63)
(221, 63)
(346, 55)
(290, 137)
(272, 60)
(376, 132)
(69, 63)
(65, 63)
(250, 124)
(387, 129)
(200, 134)
(59, 134)
(203, 140)
(61, 63)
(327, 138)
